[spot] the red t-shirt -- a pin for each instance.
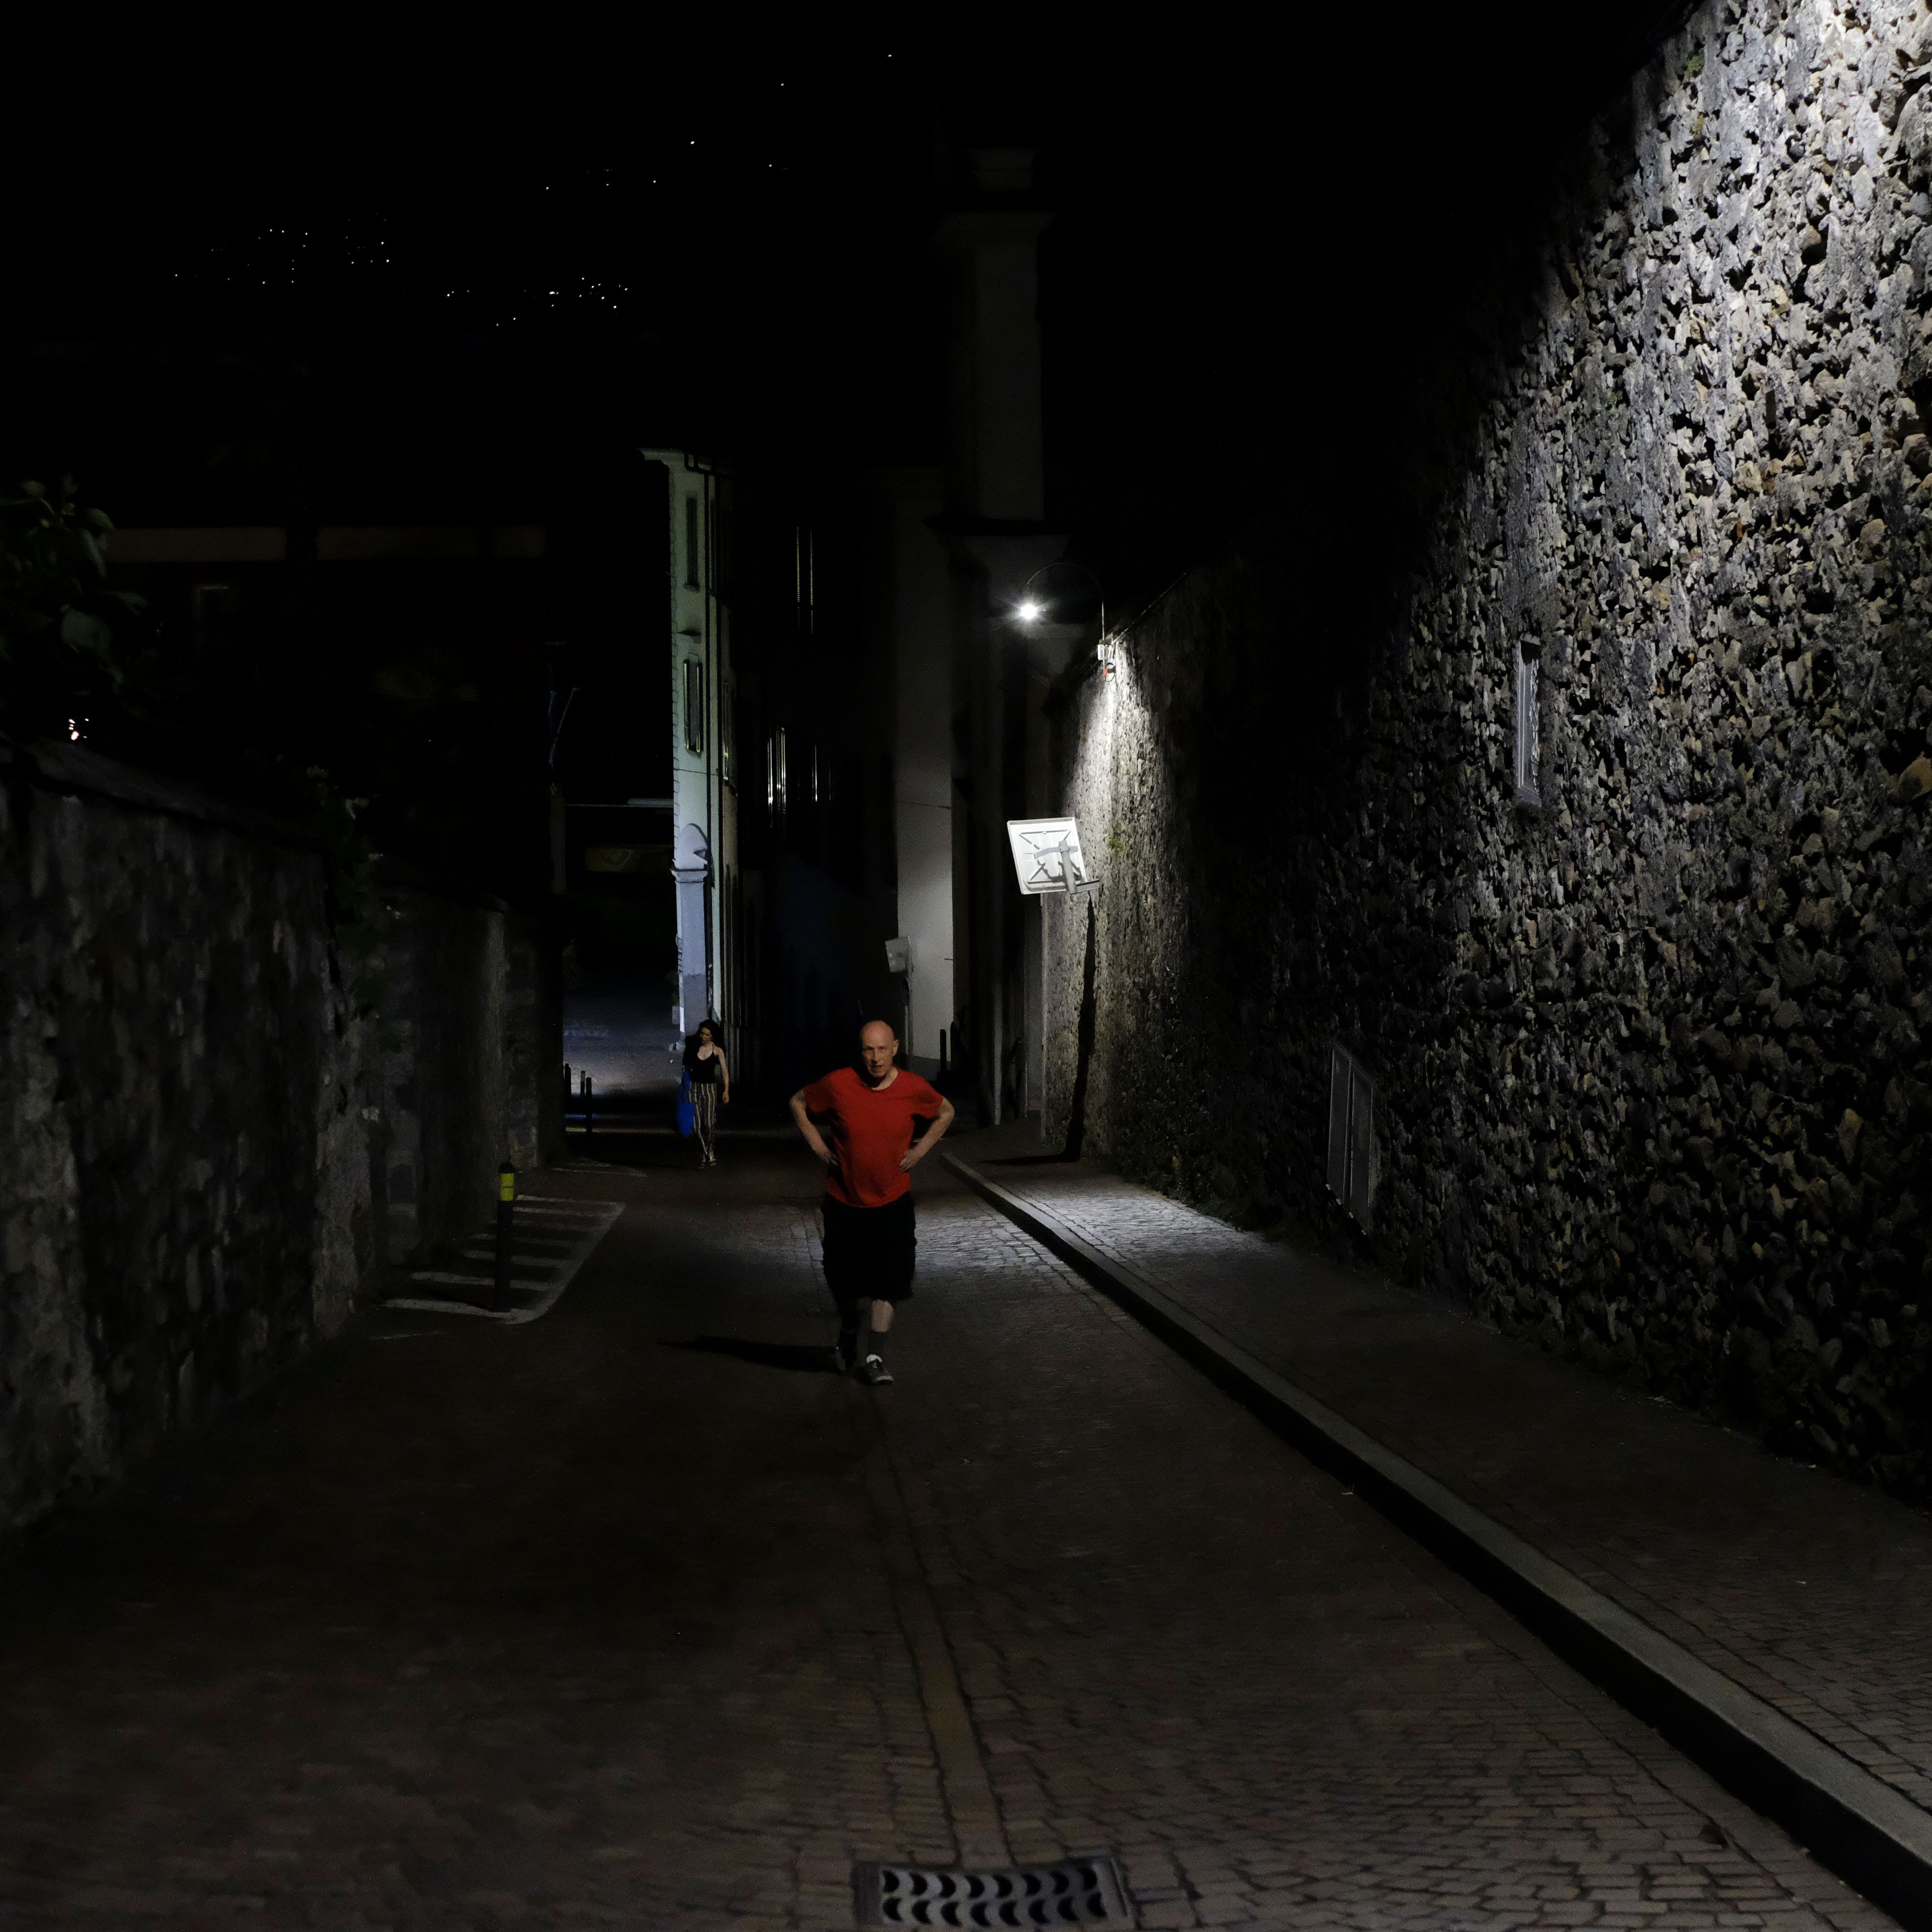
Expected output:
(869, 1129)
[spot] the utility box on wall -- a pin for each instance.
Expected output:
(1352, 1134)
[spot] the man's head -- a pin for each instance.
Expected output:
(878, 1048)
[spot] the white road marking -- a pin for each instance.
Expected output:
(542, 1264)
(589, 1221)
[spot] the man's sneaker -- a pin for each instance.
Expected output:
(844, 1352)
(873, 1372)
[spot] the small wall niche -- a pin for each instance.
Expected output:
(1352, 1134)
(1528, 655)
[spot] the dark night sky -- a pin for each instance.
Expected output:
(719, 238)
(364, 279)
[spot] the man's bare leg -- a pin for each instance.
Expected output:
(872, 1369)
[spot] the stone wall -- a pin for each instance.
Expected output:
(191, 1114)
(470, 1061)
(185, 1206)
(1651, 1080)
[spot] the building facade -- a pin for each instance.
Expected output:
(998, 540)
(705, 780)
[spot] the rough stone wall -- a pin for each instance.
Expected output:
(191, 1118)
(185, 1202)
(469, 1058)
(1652, 1080)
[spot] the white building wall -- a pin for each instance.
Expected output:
(704, 818)
(922, 757)
(995, 513)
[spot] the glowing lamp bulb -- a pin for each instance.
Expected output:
(1030, 612)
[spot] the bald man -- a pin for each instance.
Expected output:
(860, 1122)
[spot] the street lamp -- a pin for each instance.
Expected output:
(1069, 593)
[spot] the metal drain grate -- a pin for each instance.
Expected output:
(1076, 1891)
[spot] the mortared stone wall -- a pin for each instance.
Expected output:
(1653, 1074)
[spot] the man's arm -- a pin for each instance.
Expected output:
(928, 1141)
(814, 1139)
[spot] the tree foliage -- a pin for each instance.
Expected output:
(63, 630)
(73, 649)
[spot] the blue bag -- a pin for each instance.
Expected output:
(687, 1110)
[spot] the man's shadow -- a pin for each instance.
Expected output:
(795, 1356)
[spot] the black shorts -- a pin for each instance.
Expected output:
(869, 1251)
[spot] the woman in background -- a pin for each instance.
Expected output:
(710, 1086)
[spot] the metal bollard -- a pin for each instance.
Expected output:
(506, 1214)
(589, 1106)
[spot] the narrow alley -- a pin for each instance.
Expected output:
(567, 624)
(637, 1616)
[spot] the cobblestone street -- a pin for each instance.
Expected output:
(636, 1615)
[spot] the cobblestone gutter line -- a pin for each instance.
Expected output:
(1861, 1827)
(972, 1817)
(979, 1836)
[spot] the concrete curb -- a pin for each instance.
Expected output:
(1869, 1833)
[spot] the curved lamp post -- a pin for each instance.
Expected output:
(1068, 592)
